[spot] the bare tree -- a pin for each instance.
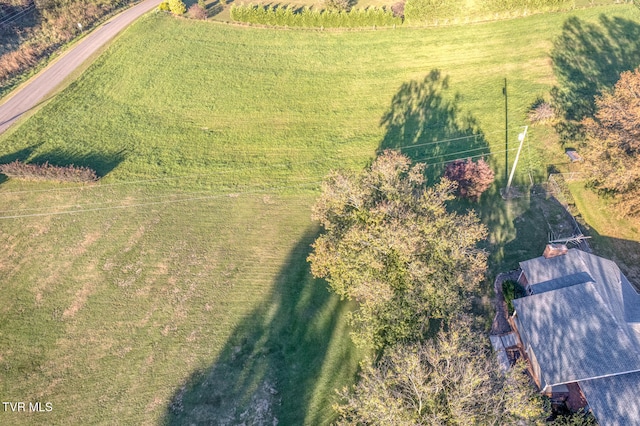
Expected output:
(451, 380)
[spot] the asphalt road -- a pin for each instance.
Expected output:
(36, 90)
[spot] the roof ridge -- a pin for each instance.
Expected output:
(604, 376)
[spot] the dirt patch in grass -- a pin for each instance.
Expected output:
(79, 300)
(89, 239)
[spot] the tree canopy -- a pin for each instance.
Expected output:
(612, 151)
(391, 245)
(451, 380)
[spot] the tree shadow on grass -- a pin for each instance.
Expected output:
(425, 123)
(101, 163)
(20, 155)
(282, 362)
(540, 218)
(587, 60)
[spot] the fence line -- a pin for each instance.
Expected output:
(557, 182)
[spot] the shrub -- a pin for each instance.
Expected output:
(177, 7)
(541, 112)
(511, 290)
(164, 6)
(472, 178)
(11, 63)
(398, 9)
(197, 12)
(47, 171)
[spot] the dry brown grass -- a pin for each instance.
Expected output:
(26, 56)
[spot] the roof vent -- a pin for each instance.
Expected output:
(554, 250)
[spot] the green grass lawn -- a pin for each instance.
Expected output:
(176, 290)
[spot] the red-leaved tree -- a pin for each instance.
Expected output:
(472, 178)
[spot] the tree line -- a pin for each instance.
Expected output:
(307, 17)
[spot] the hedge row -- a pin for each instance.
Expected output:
(47, 171)
(306, 17)
(429, 11)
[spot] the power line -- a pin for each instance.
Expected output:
(213, 174)
(190, 199)
(463, 152)
(471, 157)
(435, 142)
(288, 165)
(175, 194)
(155, 203)
(153, 180)
(16, 15)
(144, 203)
(285, 165)
(474, 136)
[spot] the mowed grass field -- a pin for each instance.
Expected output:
(176, 290)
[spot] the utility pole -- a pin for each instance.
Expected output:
(521, 137)
(506, 129)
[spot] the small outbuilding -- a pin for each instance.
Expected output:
(573, 155)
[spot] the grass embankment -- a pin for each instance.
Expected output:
(220, 12)
(204, 309)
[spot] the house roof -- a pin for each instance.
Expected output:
(575, 335)
(540, 269)
(583, 324)
(614, 400)
(561, 282)
(578, 267)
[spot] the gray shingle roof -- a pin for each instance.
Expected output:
(561, 282)
(573, 268)
(583, 324)
(631, 301)
(574, 335)
(539, 270)
(615, 401)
